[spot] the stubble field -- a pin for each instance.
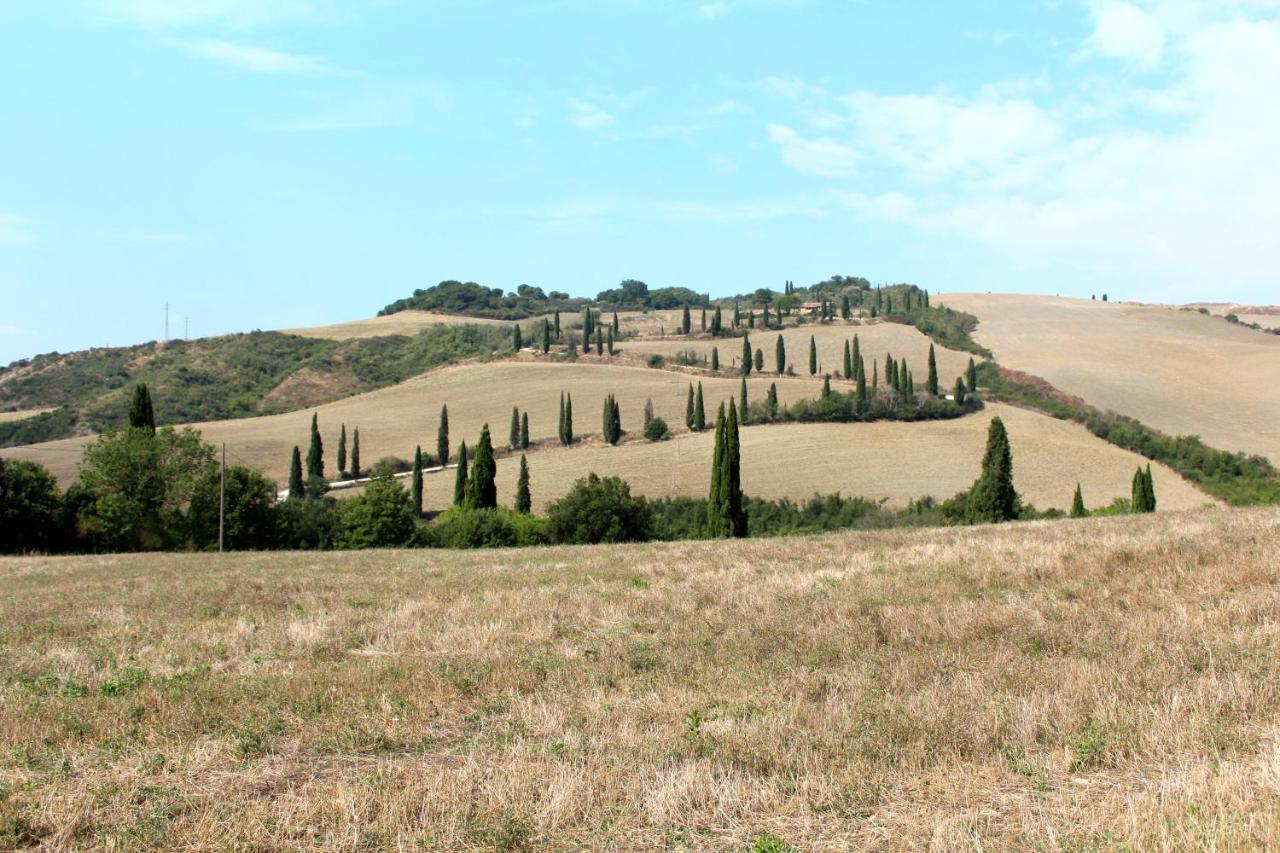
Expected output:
(1102, 684)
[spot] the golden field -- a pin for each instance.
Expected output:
(7, 417)
(1099, 684)
(1178, 371)
(411, 322)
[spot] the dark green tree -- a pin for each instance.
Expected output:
(460, 476)
(611, 420)
(513, 437)
(993, 498)
(845, 311)
(931, 384)
(715, 359)
(599, 341)
(971, 376)
(382, 517)
(568, 419)
(826, 385)
(355, 454)
(771, 399)
(848, 361)
(780, 354)
(699, 412)
(517, 339)
(704, 319)
(296, 488)
(315, 455)
(688, 409)
(717, 521)
(759, 360)
(1150, 489)
(342, 451)
(481, 491)
(1077, 504)
(614, 328)
(860, 374)
(686, 322)
(609, 340)
(557, 324)
(746, 355)
(742, 400)
(442, 437)
(959, 392)
(560, 428)
(30, 506)
(524, 500)
(415, 491)
(141, 413)
(813, 357)
(524, 430)
(599, 510)
(250, 519)
(546, 336)
(717, 324)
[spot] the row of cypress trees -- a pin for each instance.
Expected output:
(519, 437)
(612, 420)
(726, 509)
(312, 480)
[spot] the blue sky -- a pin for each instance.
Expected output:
(270, 163)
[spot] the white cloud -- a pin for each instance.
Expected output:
(713, 11)
(13, 230)
(1126, 31)
(259, 59)
(589, 116)
(199, 14)
(820, 156)
(372, 108)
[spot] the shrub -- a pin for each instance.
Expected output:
(382, 517)
(486, 528)
(656, 361)
(656, 430)
(394, 464)
(599, 510)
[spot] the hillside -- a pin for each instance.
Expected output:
(1108, 683)
(1178, 371)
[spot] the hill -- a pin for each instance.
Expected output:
(1058, 685)
(1178, 371)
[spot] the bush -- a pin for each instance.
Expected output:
(382, 517)
(656, 361)
(485, 528)
(599, 510)
(307, 523)
(657, 430)
(395, 464)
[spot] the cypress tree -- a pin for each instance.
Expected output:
(875, 376)
(614, 328)
(860, 371)
(141, 413)
(599, 341)
(524, 501)
(415, 491)
(704, 318)
(813, 357)
(1139, 496)
(1077, 504)
(735, 508)
(746, 355)
(971, 376)
(296, 488)
(557, 325)
(481, 492)
(355, 454)
(568, 419)
(688, 409)
(959, 393)
(609, 420)
(845, 311)
(513, 438)
(826, 385)
(1150, 490)
(699, 413)
(780, 355)
(717, 323)
(759, 360)
(588, 326)
(560, 429)
(546, 336)
(992, 498)
(737, 315)
(460, 476)
(715, 499)
(848, 361)
(891, 372)
(686, 322)
(517, 339)
(609, 339)
(772, 399)
(442, 437)
(524, 430)
(715, 359)
(342, 451)
(742, 400)
(931, 384)
(315, 455)
(857, 353)
(751, 319)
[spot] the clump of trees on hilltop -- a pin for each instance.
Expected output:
(476, 300)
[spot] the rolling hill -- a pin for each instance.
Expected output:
(1178, 371)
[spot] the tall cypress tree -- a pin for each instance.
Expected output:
(848, 361)
(759, 360)
(742, 400)
(813, 357)
(614, 328)
(442, 437)
(460, 476)
(524, 501)
(891, 372)
(415, 491)
(845, 312)
(560, 429)
(1151, 490)
(735, 506)
(513, 436)
(875, 376)
(931, 384)
(780, 355)
(746, 355)
(716, 521)
(142, 414)
(355, 454)
(686, 322)
(481, 491)
(704, 318)
(296, 487)
(992, 498)
(737, 315)
(771, 399)
(959, 392)
(1077, 504)
(688, 409)
(557, 322)
(857, 354)
(860, 372)
(609, 339)
(568, 419)
(599, 341)
(315, 455)
(971, 376)
(342, 451)
(699, 412)
(517, 339)
(609, 420)
(717, 323)
(715, 359)
(524, 430)
(826, 385)
(546, 336)
(1138, 500)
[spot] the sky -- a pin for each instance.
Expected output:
(279, 163)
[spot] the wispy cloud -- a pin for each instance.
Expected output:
(371, 108)
(820, 156)
(589, 116)
(1126, 31)
(6, 329)
(13, 230)
(246, 57)
(713, 11)
(171, 15)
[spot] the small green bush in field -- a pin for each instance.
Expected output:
(657, 430)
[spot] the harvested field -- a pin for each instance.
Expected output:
(400, 323)
(1178, 371)
(875, 339)
(1100, 684)
(393, 420)
(9, 417)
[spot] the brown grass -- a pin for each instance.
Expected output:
(1178, 371)
(1105, 684)
(8, 417)
(895, 461)
(412, 322)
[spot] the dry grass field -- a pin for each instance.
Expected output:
(412, 322)
(393, 420)
(895, 461)
(1178, 371)
(1101, 684)
(875, 340)
(9, 417)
